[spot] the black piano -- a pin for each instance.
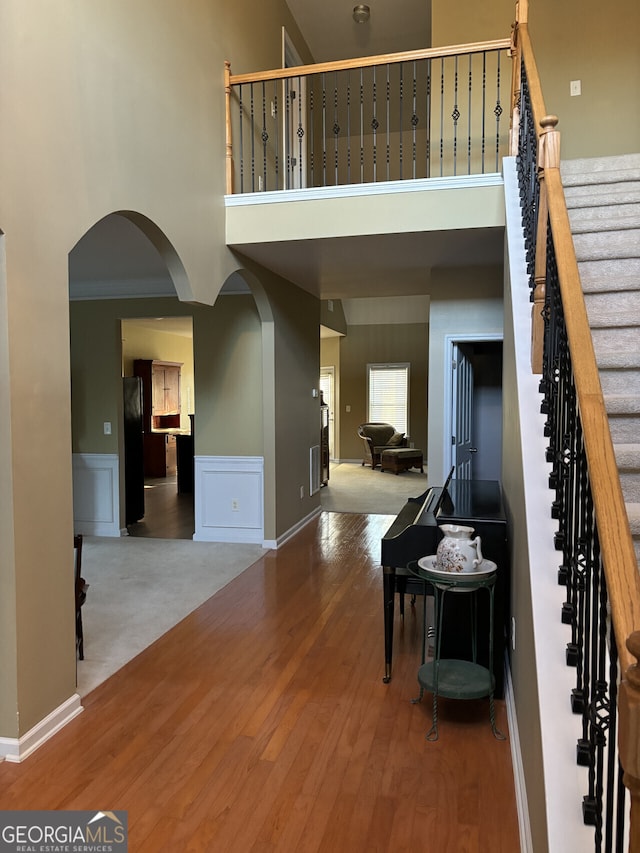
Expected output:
(415, 533)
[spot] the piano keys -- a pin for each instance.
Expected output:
(415, 533)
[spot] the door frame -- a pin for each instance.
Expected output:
(450, 341)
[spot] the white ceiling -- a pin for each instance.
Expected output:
(331, 33)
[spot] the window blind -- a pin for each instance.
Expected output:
(388, 394)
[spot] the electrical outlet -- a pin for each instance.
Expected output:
(235, 505)
(107, 427)
(575, 87)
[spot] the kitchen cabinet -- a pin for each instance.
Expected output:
(160, 412)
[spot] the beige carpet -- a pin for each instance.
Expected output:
(356, 488)
(140, 588)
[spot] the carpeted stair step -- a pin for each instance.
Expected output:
(595, 195)
(628, 461)
(633, 514)
(626, 339)
(617, 381)
(612, 269)
(603, 200)
(624, 417)
(613, 308)
(607, 245)
(607, 218)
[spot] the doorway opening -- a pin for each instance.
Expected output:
(473, 410)
(158, 426)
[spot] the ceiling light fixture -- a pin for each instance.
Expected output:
(361, 13)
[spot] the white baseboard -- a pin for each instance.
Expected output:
(17, 749)
(279, 542)
(524, 826)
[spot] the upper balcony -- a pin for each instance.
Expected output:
(370, 150)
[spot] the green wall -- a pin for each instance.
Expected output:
(590, 41)
(227, 365)
(379, 344)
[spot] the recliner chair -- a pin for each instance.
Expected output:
(378, 437)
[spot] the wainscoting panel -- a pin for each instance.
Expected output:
(96, 499)
(229, 499)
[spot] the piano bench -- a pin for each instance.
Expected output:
(398, 459)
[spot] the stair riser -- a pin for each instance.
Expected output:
(620, 305)
(620, 381)
(611, 268)
(630, 483)
(625, 429)
(603, 216)
(625, 336)
(607, 245)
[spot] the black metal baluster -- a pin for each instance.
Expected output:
(336, 126)
(311, 133)
(469, 118)
(361, 127)
(288, 176)
(455, 115)
(324, 132)
(441, 116)
(428, 121)
(241, 122)
(300, 134)
(414, 122)
(253, 138)
(374, 124)
(401, 128)
(484, 108)
(275, 116)
(264, 136)
(348, 126)
(388, 133)
(498, 112)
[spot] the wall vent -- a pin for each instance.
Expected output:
(314, 469)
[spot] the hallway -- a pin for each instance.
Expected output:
(260, 722)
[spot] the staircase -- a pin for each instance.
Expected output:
(603, 199)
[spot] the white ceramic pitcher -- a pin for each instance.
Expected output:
(457, 551)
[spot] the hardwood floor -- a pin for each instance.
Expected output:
(167, 514)
(261, 723)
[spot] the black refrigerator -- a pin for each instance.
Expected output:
(133, 449)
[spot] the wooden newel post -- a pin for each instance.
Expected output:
(227, 89)
(548, 158)
(629, 737)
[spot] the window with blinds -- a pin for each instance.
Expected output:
(388, 395)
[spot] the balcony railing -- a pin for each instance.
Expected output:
(419, 114)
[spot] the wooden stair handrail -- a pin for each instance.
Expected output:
(370, 61)
(616, 545)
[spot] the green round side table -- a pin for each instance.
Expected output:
(452, 678)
